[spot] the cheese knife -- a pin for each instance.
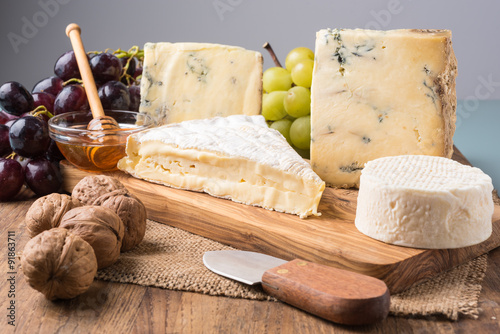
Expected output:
(334, 294)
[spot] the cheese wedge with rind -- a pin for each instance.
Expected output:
(377, 94)
(236, 157)
(185, 81)
(424, 202)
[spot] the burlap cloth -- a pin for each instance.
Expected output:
(171, 258)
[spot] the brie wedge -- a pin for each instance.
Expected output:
(236, 157)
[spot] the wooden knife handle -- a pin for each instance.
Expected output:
(334, 294)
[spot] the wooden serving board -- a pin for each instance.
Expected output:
(331, 239)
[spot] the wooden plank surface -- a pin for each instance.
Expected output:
(128, 308)
(330, 239)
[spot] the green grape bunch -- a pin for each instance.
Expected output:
(286, 101)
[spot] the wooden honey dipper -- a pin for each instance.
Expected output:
(108, 150)
(100, 121)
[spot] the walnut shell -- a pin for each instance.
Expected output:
(91, 187)
(132, 213)
(99, 200)
(47, 211)
(59, 264)
(100, 227)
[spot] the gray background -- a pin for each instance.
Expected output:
(247, 23)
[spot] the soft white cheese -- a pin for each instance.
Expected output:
(236, 157)
(424, 202)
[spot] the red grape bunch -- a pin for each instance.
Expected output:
(27, 154)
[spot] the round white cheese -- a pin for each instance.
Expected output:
(424, 202)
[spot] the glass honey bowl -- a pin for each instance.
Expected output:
(95, 150)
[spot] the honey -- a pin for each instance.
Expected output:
(95, 150)
(93, 158)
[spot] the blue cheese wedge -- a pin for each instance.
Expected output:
(425, 202)
(236, 157)
(377, 94)
(185, 81)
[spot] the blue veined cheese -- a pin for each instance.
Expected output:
(425, 202)
(185, 81)
(377, 94)
(236, 157)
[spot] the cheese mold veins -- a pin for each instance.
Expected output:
(185, 81)
(377, 94)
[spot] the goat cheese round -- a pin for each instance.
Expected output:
(424, 202)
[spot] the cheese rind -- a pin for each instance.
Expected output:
(424, 202)
(377, 94)
(185, 81)
(236, 157)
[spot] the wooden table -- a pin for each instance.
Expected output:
(127, 308)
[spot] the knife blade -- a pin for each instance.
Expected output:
(333, 294)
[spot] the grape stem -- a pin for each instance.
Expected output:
(41, 110)
(130, 54)
(71, 81)
(269, 49)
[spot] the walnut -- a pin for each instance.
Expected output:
(100, 227)
(132, 213)
(99, 200)
(59, 264)
(91, 187)
(47, 211)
